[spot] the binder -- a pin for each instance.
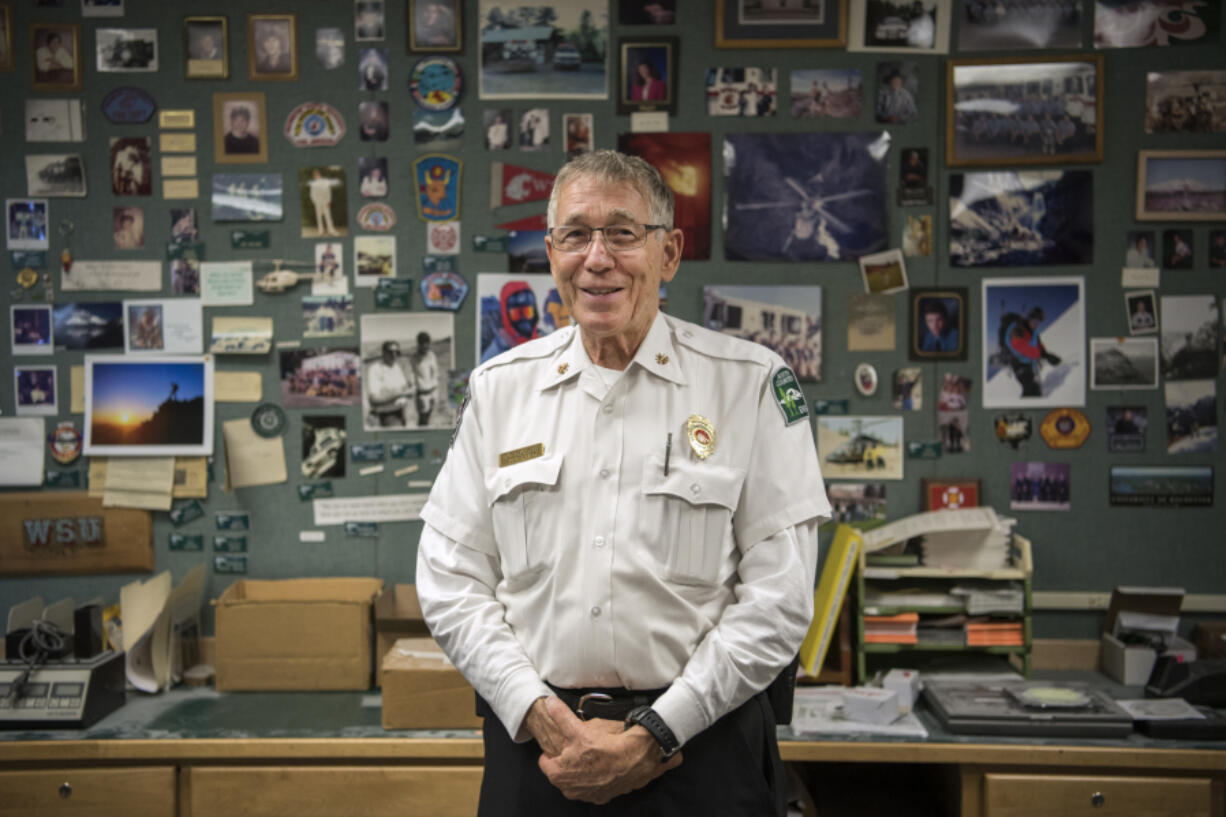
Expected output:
(828, 598)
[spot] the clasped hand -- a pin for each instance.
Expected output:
(594, 760)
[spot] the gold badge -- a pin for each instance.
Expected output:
(528, 452)
(562, 367)
(662, 359)
(701, 434)
(27, 278)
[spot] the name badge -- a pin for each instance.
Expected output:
(528, 452)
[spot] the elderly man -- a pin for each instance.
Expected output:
(619, 551)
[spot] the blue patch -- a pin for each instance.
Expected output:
(128, 105)
(443, 290)
(438, 187)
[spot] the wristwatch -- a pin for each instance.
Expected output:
(650, 720)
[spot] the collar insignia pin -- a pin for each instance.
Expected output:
(562, 367)
(662, 359)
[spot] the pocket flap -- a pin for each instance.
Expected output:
(697, 483)
(540, 471)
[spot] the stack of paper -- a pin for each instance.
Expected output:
(909, 597)
(994, 633)
(964, 539)
(899, 629)
(992, 597)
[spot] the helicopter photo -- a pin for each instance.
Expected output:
(856, 446)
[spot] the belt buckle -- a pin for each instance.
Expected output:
(591, 697)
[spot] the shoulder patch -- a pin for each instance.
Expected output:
(788, 396)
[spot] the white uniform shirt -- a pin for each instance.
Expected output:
(587, 565)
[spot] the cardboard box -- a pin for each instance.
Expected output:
(1210, 638)
(422, 690)
(296, 634)
(871, 705)
(397, 615)
(1153, 610)
(1131, 664)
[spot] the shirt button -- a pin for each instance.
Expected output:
(598, 541)
(604, 473)
(595, 612)
(608, 409)
(696, 488)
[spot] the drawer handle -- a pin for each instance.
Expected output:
(65, 791)
(1097, 799)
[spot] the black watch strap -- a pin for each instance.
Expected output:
(650, 720)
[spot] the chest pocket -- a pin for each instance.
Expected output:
(517, 494)
(687, 516)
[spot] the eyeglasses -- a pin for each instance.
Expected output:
(617, 237)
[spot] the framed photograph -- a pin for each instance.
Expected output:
(1018, 24)
(435, 26)
(240, 128)
(405, 361)
(937, 494)
(859, 447)
(1123, 363)
(785, 319)
(1181, 185)
(1142, 311)
(938, 324)
(918, 27)
(6, 36)
(37, 390)
(126, 50)
(272, 47)
(668, 153)
(1002, 219)
(156, 406)
(1033, 342)
(648, 74)
(101, 8)
(1165, 485)
(1024, 110)
(206, 41)
(369, 21)
(1191, 417)
(1126, 427)
(883, 273)
(764, 24)
(566, 59)
(246, 197)
(55, 175)
(55, 54)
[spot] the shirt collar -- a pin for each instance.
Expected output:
(656, 354)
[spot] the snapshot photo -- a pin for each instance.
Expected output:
(837, 93)
(240, 128)
(514, 309)
(26, 222)
(374, 257)
(1033, 336)
(1039, 486)
(999, 25)
(1185, 102)
(323, 446)
(1139, 249)
(406, 359)
(883, 273)
(1140, 23)
(272, 47)
(372, 175)
(171, 326)
(1123, 363)
(89, 325)
(55, 175)
(1177, 249)
(647, 12)
(747, 91)
(1189, 337)
(55, 52)
(368, 20)
(372, 69)
(101, 8)
(131, 166)
(804, 196)
(907, 390)
(322, 196)
(534, 129)
(498, 133)
(772, 24)
(526, 251)
(55, 120)
(185, 276)
(32, 330)
(1126, 426)
(320, 377)
(859, 504)
(580, 134)
(435, 25)
(563, 59)
(860, 447)
(684, 162)
(329, 269)
(916, 237)
(911, 26)
(938, 324)
(184, 226)
(36, 388)
(373, 119)
(327, 316)
(329, 48)
(207, 45)
(1181, 185)
(154, 407)
(1141, 308)
(1191, 417)
(784, 319)
(128, 228)
(246, 197)
(897, 92)
(127, 49)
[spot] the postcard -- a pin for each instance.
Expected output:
(246, 335)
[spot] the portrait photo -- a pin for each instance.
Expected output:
(126, 49)
(534, 129)
(322, 194)
(1141, 309)
(1177, 250)
(26, 224)
(368, 20)
(908, 26)
(1123, 363)
(1185, 102)
(1033, 340)
(36, 390)
(155, 406)
(580, 134)
(272, 47)
(1181, 185)
(434, 25)
(1126, 426)
(648, 75)
(240, 134)
(748, 91)
(498, 132)
(329, 48)
(785, 319)
(837, 93)
(128, 228)
(938, 324)
(372, 177)
(913, 187)
(32, 330)
(563, 60)
(55, 175)
(996, 25)
(406, 359)
(372, 69)
(131, 166)
(1139, 249)
(206, 42)
(373, 118)
(55, 53)
(897, 92)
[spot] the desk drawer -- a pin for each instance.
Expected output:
(326, 791)
(127, 792)
(1026, 795)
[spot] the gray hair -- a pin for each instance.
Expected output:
(611, 167)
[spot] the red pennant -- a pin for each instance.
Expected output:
(512, 184)
(529, 223)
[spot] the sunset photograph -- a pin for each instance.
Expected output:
(151, 407)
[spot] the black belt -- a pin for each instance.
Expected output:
(608, 703)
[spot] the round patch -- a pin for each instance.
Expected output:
(268, 420)
(376, 217)
(1065, 428)
(65, 442)
(443, 239)
(27, 278)
(866, 379)
(435, 83)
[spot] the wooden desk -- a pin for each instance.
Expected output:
(199, 753)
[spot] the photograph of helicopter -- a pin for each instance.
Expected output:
(857, 447)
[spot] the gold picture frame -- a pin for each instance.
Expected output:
(46, 45)
(272, 47)
(206, 47)
(435, 26)
(236, 142)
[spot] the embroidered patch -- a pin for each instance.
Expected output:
(788, 395)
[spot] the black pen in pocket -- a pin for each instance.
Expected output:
(668, 450)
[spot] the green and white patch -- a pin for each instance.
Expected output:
(788, 395)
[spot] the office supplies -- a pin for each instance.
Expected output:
(67, 694)
(1197, 682)
(1026, 708)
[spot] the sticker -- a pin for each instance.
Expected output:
(531, 452)
(364, 529)
(435, 83)
(315, 490)
(229, 564)
(65, 442)
(489, 243)
(366, 452)
(128, 105)
(186, 513)
(185, 541)
(788, 395)
(407, 451)
(438, 263)
(27, 278)
(438, 187)
(28, 258)
(229, 544)
(443, 290)
(393, 293)
(314, 125)
(1065, 428)
(866, 379)
(1013, 429)
(62, 479)
(250, 239)
(268, 420)
(370, 470)
(444, 238)
(924, 450)
(376, 217)
(408, 469)
(233, 520)
(311, 536)
(701, 435)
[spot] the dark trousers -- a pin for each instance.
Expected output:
(731, 769)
